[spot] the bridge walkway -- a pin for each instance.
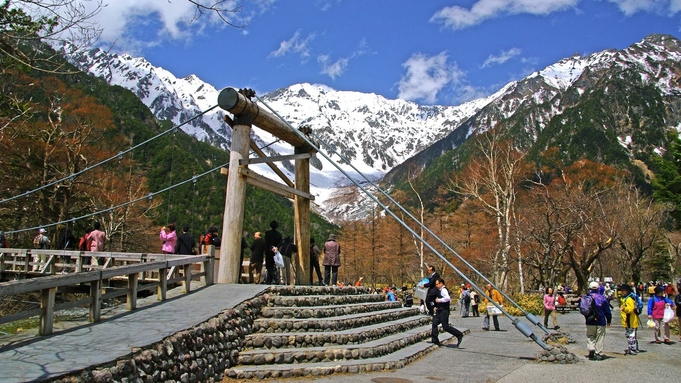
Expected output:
(41, 358)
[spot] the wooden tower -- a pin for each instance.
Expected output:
(246, 114)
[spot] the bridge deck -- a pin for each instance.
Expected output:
(93, 344)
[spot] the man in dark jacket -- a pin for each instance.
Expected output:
(185, 243)
(442, 302)
(432, 289)
(273, 240)
(257, 256)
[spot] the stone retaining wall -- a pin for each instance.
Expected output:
(200, 354)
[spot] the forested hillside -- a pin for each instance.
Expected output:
(55, 125)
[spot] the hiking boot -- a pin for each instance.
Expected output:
(591, 354)
(556, 328)
(459, 338)
(598, 357)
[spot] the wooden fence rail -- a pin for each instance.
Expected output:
(163, 267)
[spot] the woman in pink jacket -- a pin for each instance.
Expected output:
(169, 237)
(550, 308)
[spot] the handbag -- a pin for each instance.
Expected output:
(493, 310)
(668, 315)
(278, 259)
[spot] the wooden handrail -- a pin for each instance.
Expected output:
(47, 285)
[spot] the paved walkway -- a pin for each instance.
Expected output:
(485, 356)
(31, 358)
(509, 357)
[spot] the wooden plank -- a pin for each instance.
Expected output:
(22, 315)
(277, 171)
(187, 269)
(255, 179)
(131, 301)
(95, 300)
(35, 284)
(162, 284)
(264, 160)
(47, 315)
(301, 260)
(131, 269)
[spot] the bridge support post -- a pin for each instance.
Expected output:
(95, 300)
(47, 305)
(235, 199)
(302, 220)
(131, 301)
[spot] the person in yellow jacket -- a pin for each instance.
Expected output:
(630, 320)
(494, 295)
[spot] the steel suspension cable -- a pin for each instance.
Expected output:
(117, 156)
(148, 196)
(531, 317)
(522, 327)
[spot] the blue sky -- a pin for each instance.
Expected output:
(429, 51)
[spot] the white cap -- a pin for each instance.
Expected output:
(42, 231)
(594, 285)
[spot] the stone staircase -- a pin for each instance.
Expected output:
(314, 331)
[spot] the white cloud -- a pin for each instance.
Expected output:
(457, 17)
(295, 44)
(336, 68)
(332, 69)
(165, 20)
(501, 58)
(427, 76)
(665, 7)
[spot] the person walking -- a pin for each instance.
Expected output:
(42, 242)
(597, 322)
(287, 249)
(494, 295)
(550, 309)
(442, 302)
(465, 299)
(257, 256)
(314, 263)
(431, 294)
(168, 237)
(185, 244)
(630, 320)
(475, 301)
(656, 306)
(95, 242)
(331, 262)
(273, 241)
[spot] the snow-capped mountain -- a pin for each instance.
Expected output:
(382, 137)
(610, 92)
(373, 133)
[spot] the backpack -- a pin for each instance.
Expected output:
(476, 298)
(587, 307)
(205, 239)
(38, 241)
(638, 303)
(215, 240)
(82, 244)
(466, 297)
(561, 300)
(408, 300)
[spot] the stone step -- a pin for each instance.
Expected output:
(338, 323)
(392, 361)
(321, 300)
(318, 290)
(324, 339)
(326, 311)
(370, 349)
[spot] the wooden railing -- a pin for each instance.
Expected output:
(143, 272)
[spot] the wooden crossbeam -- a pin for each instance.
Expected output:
(262, 160)
(256, 179)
